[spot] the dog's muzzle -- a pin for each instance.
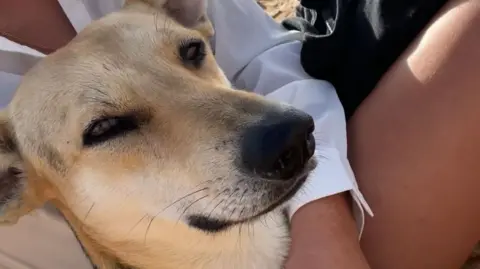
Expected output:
(278, 146)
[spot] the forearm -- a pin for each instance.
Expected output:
(39, 24)
(324, 236)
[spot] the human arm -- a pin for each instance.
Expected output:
(41, 24)
(324, 236)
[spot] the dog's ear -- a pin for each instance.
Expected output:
(189, 13)
(14, 193)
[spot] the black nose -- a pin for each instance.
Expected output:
(278, 146)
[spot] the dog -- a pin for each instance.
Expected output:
(134, 133)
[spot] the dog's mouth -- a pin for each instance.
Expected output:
(264, 190)
(215, 225)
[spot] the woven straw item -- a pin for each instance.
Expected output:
(279, 9)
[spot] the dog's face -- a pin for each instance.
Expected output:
(134, 130)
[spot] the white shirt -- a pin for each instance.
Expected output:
(255, 53)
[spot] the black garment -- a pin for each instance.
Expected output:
(354, 47)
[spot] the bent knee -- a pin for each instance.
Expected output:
(450, 43)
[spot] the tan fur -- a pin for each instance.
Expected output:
(120, 196)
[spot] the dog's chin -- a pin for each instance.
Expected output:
(214, 225)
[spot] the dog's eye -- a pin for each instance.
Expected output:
(193, 52)
(104, 129)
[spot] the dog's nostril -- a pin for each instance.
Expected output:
(310, 145)
(293, 159)
(288, 163)
(279, 147)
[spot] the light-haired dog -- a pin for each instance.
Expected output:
(133, 132)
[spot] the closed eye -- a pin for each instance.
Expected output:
(107, 128)
(193, 52)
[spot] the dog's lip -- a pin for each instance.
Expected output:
(290, 193)
(215, 225)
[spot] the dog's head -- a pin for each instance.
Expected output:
(134, 133)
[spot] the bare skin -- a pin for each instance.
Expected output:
(415, 149)
(324, 235)
(40, 24)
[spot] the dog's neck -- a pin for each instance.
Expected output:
(261, 244)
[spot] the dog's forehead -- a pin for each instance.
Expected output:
(116, 55)
(135, 28)
(106, 55)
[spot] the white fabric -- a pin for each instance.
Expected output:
(256, 53)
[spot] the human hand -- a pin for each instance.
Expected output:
(39, 24)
